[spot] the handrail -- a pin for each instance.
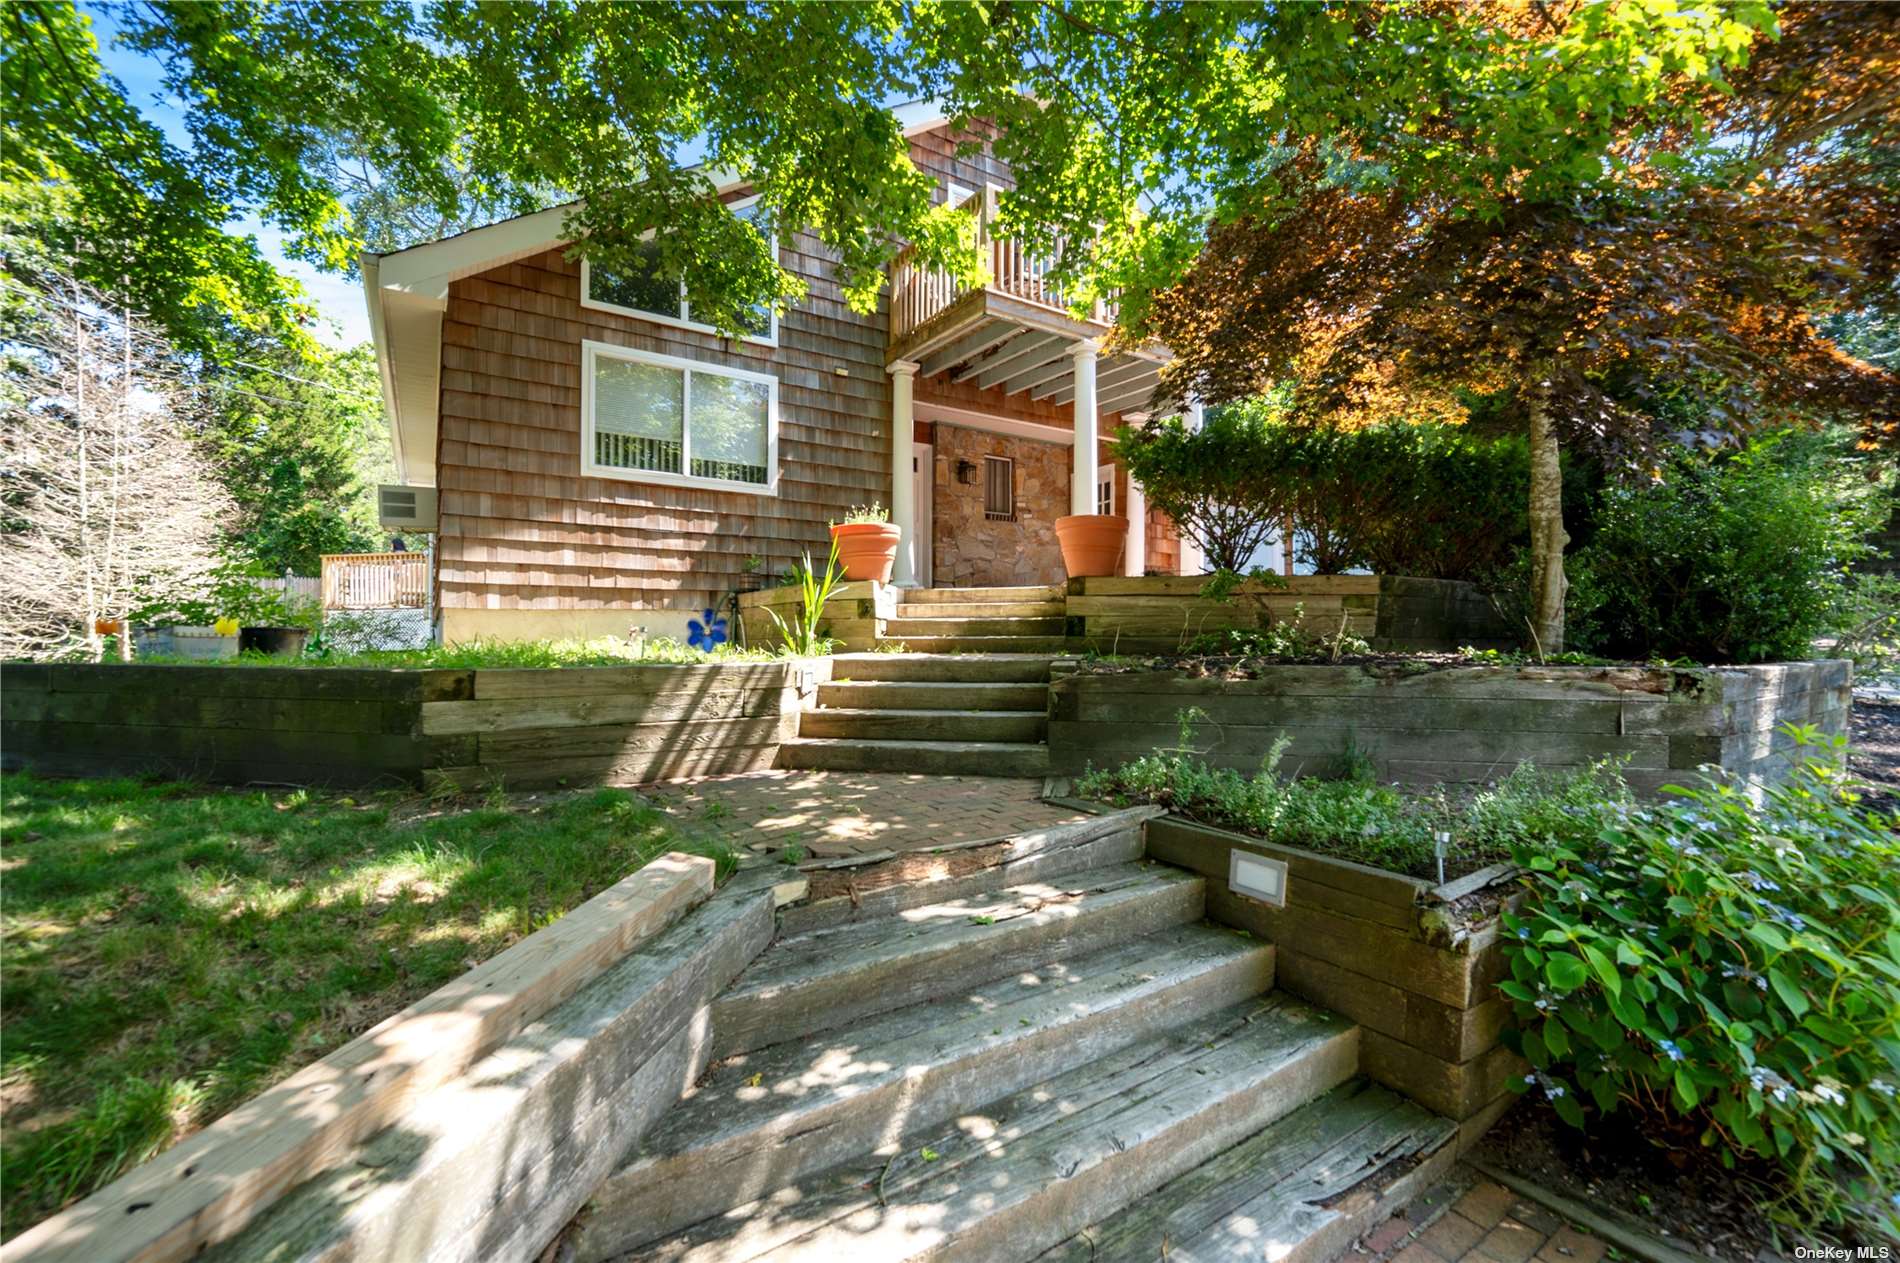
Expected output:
(918, 294)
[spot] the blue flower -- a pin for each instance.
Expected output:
(707, 635)
(1669, 1049)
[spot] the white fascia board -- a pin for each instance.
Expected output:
(370, 266)
(969, 419)
(916, 117)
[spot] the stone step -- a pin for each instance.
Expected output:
(925, 725)
(1010, 1180)
(1051, 645)
(906, 695)
(926, 668)
(935, 758)
(759, 1123)
(828, 978)
(982, 609)
(1310, 1183)
(902, 628)
(935, 596)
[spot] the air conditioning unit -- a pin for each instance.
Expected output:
(401, 508)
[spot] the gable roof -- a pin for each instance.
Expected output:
(407, 292)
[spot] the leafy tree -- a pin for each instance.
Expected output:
(1684, 288)
(99, 185)
(298, 448)
(1128, 125)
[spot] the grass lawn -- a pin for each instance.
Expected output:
(167, 951)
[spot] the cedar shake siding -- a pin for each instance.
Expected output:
(522, 528)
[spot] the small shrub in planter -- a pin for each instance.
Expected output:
(1736, 963)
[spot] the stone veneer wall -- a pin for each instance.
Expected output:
(972, 551)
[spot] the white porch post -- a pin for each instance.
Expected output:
(1135, 557)
(1082, 478)
(903, 484)
(1192, 562)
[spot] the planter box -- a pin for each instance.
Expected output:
(1378, 948)
(1429, 725)
(1159, 613)
(854, 616)
(377, 726)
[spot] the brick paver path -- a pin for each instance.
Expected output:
(833, 814)
(1469, 1219)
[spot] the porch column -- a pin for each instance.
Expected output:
(1082, 480)
(903, 482)
(1135, 557)
(1191, 560)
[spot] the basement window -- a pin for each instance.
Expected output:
(661, 419)
(999, 487)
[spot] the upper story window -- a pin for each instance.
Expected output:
(662, 419)
(654, 297)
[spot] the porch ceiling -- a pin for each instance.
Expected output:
(997, 342)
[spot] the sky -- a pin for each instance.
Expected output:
(339, 301)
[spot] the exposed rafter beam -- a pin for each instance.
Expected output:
(1040, 379)
(1130, 396)
(990, 335)
(1124, 371)
(1013, 358)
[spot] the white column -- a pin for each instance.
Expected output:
(903, 481)
(1191, 560)
(1135, 557)
(1082, 480)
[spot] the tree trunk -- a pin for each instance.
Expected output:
(1547, 529)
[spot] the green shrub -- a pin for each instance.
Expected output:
(1429, 500)
(1735, 959)
(1737, 556)
(1355, 818)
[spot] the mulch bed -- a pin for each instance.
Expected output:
(1681, 1193)
(1875, 752)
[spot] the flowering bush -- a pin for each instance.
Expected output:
(1735, 961)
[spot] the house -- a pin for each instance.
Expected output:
(603, 461)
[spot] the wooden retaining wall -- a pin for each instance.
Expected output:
(1363, 943)
(1158, 614)
(854, 616)
(1425, 725)
(368, 727)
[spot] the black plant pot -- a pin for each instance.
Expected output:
(278, 642)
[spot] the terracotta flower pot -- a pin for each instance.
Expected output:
(1092, 543)
(106, 626)
(867, 550)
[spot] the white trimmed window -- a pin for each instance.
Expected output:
(653, 297)
(662, 419)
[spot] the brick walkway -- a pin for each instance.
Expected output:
(1469, 1219)
(834, 814)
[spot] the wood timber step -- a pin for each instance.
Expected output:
(925, 725)
(1051, 645)
(907, 695)
(762, 1122)
(827, 978)
(1310, 1184)
(1014, 1178)
(985, 596)
(938, 668)
(983, 609)
(902, 627)
(935, 758)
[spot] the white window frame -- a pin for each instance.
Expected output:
(1010, 463)
(592, 351)
(682, 321)
(1105, 488)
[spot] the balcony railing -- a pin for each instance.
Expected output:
(375, 581)
(920, 293)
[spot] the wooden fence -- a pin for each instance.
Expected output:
(375, 581)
